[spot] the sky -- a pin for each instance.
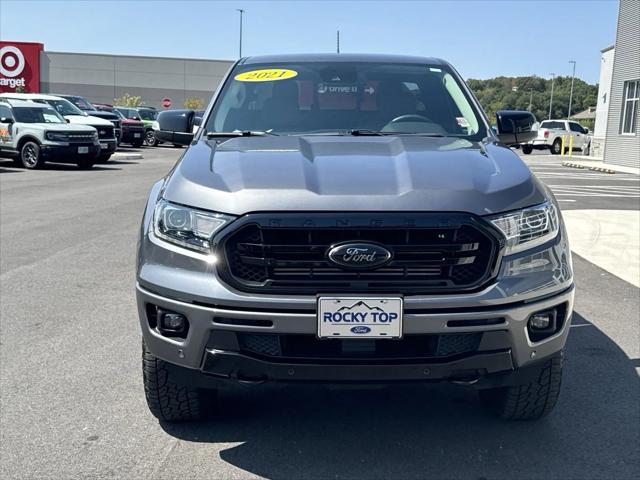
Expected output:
(482, 39)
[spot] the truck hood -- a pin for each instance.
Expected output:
(338, 173)
(89, 120)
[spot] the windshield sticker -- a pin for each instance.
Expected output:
(266, 75)
(435, 69)
(463, 122)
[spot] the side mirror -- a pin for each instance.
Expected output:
(135, 118)
(67, 120)
(197, 121)
(515, 126)
(586, 131)
(6, 120)
(176, 126)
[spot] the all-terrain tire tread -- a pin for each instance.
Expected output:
(167, 399)
(529, 401)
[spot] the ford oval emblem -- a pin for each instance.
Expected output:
(360, 329)
(359, 255)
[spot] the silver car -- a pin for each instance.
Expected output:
(351, 219)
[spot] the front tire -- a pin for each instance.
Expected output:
(86, 163)
(31, 156)
(527, 149)
(168, 398)
(150, 138)
(104, 157)
(530, 401)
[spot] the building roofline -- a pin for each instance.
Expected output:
(140, 56)
(610, 47)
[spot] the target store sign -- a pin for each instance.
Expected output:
(20, 66)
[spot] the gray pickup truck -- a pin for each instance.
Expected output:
(351, 219)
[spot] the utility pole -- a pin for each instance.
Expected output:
(571, 92)
(241, 13)
(338, 41)
(553, 78)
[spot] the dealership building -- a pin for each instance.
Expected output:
(28, 67)
(617, 129)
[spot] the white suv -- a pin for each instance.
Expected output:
(32, 133)
(105, 129)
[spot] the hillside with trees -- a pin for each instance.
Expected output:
(514, 93)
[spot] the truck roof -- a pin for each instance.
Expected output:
(341, 57)
(31, 96)
(22, 103)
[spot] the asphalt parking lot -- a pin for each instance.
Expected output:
(71, 398)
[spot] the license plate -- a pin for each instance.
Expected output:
(104, 146)
(83, 149)
(360, 317)
(137, 135)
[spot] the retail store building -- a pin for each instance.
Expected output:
(101, 78)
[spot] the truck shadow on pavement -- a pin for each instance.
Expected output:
(435, 431)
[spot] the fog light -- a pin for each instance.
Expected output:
(173, 321)
(540, 321)
(171, 324)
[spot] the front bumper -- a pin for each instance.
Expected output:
(108, 146)
(132, 134)
(505, 344)
(68, 151)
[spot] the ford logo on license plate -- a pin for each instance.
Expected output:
(359, 255)
(361, 330)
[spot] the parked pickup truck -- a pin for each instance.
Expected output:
(550, 134)
(32, 133)
(83, 104)
(347, 218)
(133, 131)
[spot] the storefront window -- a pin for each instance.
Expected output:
(630, 107)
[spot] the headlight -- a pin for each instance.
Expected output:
(95, 135)
(57, 137)
(185, 226)
(155, 125)
(528, 228)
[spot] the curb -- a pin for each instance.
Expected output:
(600, 169)
(573, 165)
(582, 167)
(126, 156)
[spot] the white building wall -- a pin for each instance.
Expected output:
(602, 108)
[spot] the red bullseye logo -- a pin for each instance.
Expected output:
(11, 61)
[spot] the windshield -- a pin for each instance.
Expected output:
(147, 114)
(37, 115)
(81, 103)
(65, 107)
(334, 97)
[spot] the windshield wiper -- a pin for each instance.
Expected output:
(363, 132)
(239, 133)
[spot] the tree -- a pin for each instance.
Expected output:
(194, 103)
(504, 93)
(127, 100)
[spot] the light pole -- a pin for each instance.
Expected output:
(241, 13)
(571, 92)
(553, 78)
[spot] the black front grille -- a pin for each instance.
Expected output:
(81, 137)
(305, 348)
(450, 252)
(105, 132)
